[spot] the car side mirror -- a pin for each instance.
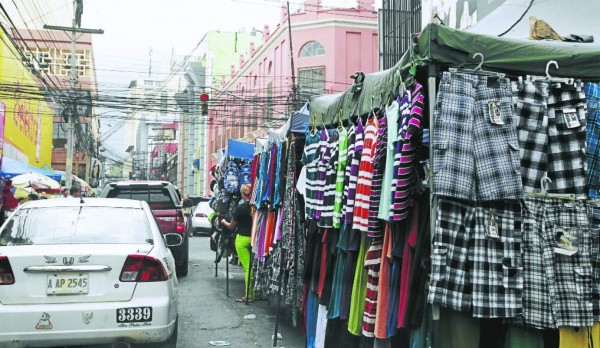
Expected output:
(173, 239)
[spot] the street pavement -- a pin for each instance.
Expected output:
(207, 314)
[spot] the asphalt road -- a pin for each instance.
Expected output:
(207, 314)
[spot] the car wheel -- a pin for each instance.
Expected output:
(182, 271)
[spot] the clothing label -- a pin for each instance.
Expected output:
(565, 243)
(571, 118)
(492, 227)
(495, 112)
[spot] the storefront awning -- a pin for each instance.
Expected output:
(11, 168)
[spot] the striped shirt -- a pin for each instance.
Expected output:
(391, 114)
(326, 219)
(340, 171)
(376, 226)
(310, 159)
(373, 266)
(404, 166)
(321, 173)
(349, 157)
(365, 177)
(353, 174)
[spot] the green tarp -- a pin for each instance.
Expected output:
(446, 47)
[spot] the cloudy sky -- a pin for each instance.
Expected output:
(171, 29)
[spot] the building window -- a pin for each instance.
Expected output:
(312, 81)
(57, 61)
(312, 49)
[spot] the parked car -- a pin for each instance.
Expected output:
(200, 222)
(82, 272)
(165, 202)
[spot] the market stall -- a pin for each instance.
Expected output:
(413, 187)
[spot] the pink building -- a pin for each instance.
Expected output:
(329, 45)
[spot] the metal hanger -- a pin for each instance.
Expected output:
(478, 70)
(566, 80)
(372, 108)
(313, 130)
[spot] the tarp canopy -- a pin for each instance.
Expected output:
(511, 19)
(11, 168)
(240, 149)
(446, 47)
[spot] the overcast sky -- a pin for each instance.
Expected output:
(133, 27)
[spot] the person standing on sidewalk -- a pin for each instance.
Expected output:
(242, 225)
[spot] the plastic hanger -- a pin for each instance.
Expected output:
(544, 192)
(478, 70)
(566, 80)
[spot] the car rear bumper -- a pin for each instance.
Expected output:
(84, 323)
(201, 224)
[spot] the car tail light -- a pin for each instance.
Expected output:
(201, 215)
(180, 222)
(7, 276)
(142, 268)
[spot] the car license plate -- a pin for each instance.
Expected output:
(134, 314)
(67, 284)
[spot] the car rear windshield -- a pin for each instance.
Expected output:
(157, 198)
(77, 225)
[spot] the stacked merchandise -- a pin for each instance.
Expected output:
(229, 177)
(348, 226)
(277, 215)
(514, 256)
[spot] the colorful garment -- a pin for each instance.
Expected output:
(365, 177)
(406, 148)
(329, 190)
(310, 159)
(391, 114)
(341, 170)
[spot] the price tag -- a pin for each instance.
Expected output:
(565, 243)
(495, 112)
(492, 227)
(571, 119)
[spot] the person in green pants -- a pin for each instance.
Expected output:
(241, 223)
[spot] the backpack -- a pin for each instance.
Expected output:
(232, 178)
(246, 174)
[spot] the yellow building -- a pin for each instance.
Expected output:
(24, 111)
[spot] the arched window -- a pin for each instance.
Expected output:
(311, 49)
(270, 69)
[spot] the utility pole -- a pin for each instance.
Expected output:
(294, 86)
(72, 115)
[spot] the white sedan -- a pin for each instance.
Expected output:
(200, 222)
(89, 271)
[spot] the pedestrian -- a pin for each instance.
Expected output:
(75, 192)
(9, 202)
(242, 225)
(32, 196)
(65, 193)
(188, 204)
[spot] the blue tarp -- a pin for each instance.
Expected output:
(299, 122)
(11, 168)
(240, 149)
